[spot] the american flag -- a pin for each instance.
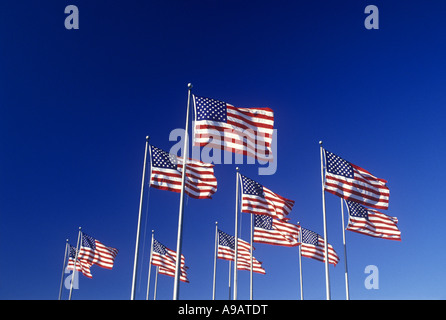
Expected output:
(200, 182)
(272, 231)
(257, 199)
(246, 131)
(354, 183)
(371, 222)
(165, 259)
(313, 247)
(226, 251)
(81, 266)
(93, 251)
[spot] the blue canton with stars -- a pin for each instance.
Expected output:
(88, 241)
(264, 222)
(159, 248)
(226, 240)
(163, 159)
(356, 210)
(309, 237)
(210, 109)
(251, 187)
(337, 165)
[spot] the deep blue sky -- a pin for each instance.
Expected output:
(76, 105)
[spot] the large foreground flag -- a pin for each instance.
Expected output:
(354, 183)
(257, 199)
(226, 251)
(200, 182)
(313, 247)
(371, 222)
(165, 259)
(271, 231)
(93, 251)
(81, 265)
(246, 131)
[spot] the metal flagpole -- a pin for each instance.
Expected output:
(300, 263)
(79, 235)
(215, 259)
(156, 282)
(347, 294)
(327, 276)
(250, 280)
(236, 232)
(150, 265)
(135, 260)
(180, 213)
(229, 296)
(63, 269)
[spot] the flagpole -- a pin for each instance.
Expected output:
(347, 293)
(150, 265)
(327, 275)
(250, 280)
(156, 282)
(63, 269)
(236, 232)
(215, 259)
(180, 213)
(135, 260)
(229, 296)
(300, 263)
(75, 262)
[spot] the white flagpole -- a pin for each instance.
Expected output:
(150, 265)
(230, 273)
(327, 275)
(63, 269)
(250, 280)
(300, 263)
(156, 282)
(79, 235)
(347, 294)
(215, 259)
(135, 260)
(236, 233)
(176, 287)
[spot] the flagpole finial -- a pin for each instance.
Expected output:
(189, 85)
(80, 228)
(216, 222)
(320, 142)
(147, 138)
(237, 169)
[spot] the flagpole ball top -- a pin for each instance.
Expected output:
(320, 142)
(189, 85)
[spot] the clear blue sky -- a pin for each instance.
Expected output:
(76, 105)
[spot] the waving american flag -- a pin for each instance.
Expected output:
(246, 131)
(272, 231)
(200, 182)
(313, 247)
(372, 222)
(354, 183)
(257, 199)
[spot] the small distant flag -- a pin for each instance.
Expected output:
(257, 199)
(313, 247)
(200, 182)
(246, 131)
(354, 183)
(371, 222)
(93, 251)
(165, 259)
(81, 265)
(226, 251)
(272, 231)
